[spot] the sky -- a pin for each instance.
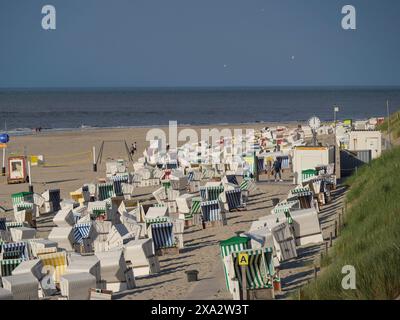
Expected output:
(157, 43)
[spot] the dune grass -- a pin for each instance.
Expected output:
(370, 239)
(394, 125)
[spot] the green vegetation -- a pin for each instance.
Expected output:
(394, 125)
(370, 240)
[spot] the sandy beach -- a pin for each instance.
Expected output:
(68, 165)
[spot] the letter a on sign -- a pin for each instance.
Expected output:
(243, 259)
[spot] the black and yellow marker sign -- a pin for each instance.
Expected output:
(243, 259)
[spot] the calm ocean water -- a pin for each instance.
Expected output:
(70, 109)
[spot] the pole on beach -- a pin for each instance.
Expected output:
(3, 169)
(244, 283)
(30, 177)
(94, 160)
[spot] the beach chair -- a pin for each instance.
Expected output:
(33, 267)
(118, 236)
(303, 194)
(76, 286)
(284, 242)
(308, 174)
(22, 200)
(22, 286)
(22, 233)
(53, 196)
(105, 191)
(114, 269)
(64, 236)
(8, 265)
(15, 250)
(163, 238)
(234, 199)
(117, 181)
(13, 224)
(64, 218)
(99, 210)
(140, 255)
(160, 195)
(55, 263)
(212, 214)
(78, 264)
(306, 227)
(226, 248)
(260, 273)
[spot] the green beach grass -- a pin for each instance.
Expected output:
(370, 239)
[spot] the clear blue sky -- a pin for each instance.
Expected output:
(199, 43)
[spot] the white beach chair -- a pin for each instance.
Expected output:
(64, 236)
(22, 286)
(34, 267)
(64, 218)
(306, 225)
(6, 294)
(22, 233)
(75, 286)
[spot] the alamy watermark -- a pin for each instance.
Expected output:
(348, 21)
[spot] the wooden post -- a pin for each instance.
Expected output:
(244, 283)
(315, 272)
(330, 240)
(326, 246)
(336, 229)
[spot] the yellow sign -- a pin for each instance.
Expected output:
(3, 145)
(243, 259)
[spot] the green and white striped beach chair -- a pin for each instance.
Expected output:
(8, 265)
(105, 191)
(308, 174)
(260, 271)
(227, 247)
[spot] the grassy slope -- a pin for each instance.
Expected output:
(394, 125)
(370, 240)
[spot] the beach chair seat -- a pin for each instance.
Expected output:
(118, 236)
(3, 224)
(76, 286)
(184, 202)
(117, 181)
(160, 195)
(22, 286)
(53, 196)
(25, 217)
(113, 267)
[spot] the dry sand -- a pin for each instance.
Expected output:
(69, 165)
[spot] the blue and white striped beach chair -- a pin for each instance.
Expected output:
(234, 199)
(81, 231)
(117, 181)
(163, 235)
(15, 250)
(211, 210)
(232, 179)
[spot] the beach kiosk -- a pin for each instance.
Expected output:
(17, 170)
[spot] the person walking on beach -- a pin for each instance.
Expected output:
(278, 168)
(132, 150)
(134, 147)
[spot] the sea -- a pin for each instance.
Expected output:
(76, 109)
